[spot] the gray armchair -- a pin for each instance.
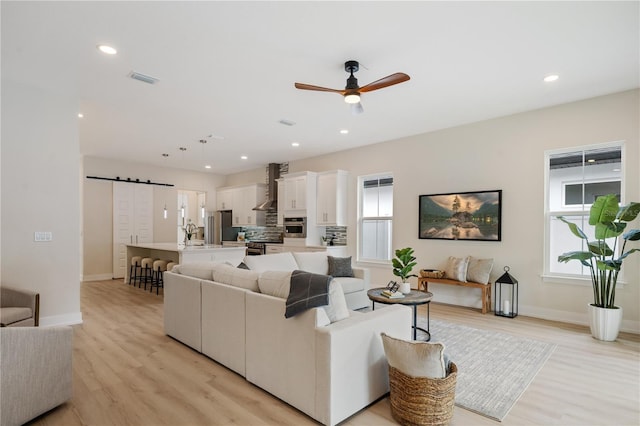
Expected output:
(19, 307)
(35, 371)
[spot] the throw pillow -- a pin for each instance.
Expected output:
(236, 277)
(337, 308)
(306, 291)
(202, 270)
(457, 268)
(271, 262)
(340, 266)
(243, 265)
(315, 262)
(417, 359)
(479, 270)
(275, 283)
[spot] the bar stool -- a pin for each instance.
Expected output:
(133, 270)
(146, 268)
(159, 266)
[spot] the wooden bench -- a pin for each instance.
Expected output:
(423, 285)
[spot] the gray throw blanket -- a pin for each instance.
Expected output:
(307, 291)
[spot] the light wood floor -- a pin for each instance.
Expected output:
(127, 372)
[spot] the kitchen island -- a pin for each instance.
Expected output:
(180, 254)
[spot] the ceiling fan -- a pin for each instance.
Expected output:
(352, 91)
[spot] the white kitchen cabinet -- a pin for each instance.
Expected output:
(224, 199)
(272, 249)
(132, 220)
(242, 200)
(331, 208)
(299, 195)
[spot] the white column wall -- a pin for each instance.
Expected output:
(40, 192)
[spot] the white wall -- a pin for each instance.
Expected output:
(504, 153)
(98, 210)
(40, 192)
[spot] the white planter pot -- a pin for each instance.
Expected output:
(405, 288)
(604, 323)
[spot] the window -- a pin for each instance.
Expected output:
(574, 179)
(375, 217)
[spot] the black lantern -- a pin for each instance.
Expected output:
(506, 295)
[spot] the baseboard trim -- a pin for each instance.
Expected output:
(65, 319)
(96, 277)
(628, 326)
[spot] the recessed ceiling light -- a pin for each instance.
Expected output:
(344, 131)
(295, 144)
(551, 77)
(107, 49)
(244, 157)
(208, 166)
(80, 115)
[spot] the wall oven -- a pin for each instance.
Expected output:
(295, 227)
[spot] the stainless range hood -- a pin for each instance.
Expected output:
(271, 203)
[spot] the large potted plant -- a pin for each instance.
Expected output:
(604, 262)
(403, 264)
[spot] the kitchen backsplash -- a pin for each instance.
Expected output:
(273, 232)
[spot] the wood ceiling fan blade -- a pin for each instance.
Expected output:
(387, 81)
(303, 86)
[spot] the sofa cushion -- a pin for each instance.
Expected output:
(275, 283)
(9, 315)
(202, 270)
(340, 266)
(456, 268)
(307, 290)
(417, 359)
(315, 262)
(237, 277)
(350, 285)
(271, 262)
(479, 270)
(337, 308)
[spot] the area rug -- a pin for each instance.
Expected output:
(494, 369)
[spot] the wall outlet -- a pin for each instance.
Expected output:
(42, 236)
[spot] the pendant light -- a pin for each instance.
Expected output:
(165, 214)
(202, 207)
(182, 206)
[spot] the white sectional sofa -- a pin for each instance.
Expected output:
(327, 370)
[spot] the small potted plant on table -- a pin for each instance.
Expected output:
(403, 264)
(610, 221)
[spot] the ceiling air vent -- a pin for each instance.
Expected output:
(144, 78)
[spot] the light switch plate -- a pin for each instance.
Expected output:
(42, 236)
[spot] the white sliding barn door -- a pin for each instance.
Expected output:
(132, 220)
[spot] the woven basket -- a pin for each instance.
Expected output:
(420, 400)
(431, 273)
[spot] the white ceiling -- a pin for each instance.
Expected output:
(227, 69)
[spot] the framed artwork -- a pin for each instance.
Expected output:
(461, 216)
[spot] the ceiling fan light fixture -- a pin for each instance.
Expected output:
(352, 98)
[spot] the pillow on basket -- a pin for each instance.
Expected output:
(456, 268)
(417, 359)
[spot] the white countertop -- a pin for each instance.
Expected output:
(180, 247)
